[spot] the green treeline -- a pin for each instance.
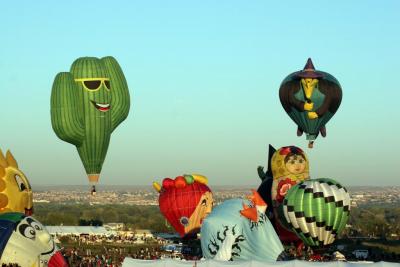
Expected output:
(134, 217)
(380, 221)
(366, 221)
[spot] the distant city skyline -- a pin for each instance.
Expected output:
(204, 80)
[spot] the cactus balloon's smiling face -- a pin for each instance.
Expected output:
(92, 85)
(92, 77)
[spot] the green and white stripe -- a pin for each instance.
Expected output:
(317, 210)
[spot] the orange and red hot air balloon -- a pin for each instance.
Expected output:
(185, 201)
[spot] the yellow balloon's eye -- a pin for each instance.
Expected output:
(36, 226)
(20, 182)
(27, 231)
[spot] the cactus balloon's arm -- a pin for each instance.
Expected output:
(120, 101)
(65, 111)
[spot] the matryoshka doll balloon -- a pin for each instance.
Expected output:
(185, 202)
(289, 167)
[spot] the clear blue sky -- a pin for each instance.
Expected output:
(204, 79)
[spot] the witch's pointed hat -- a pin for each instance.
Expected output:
(309, 71)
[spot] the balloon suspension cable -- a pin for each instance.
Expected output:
(311, 144)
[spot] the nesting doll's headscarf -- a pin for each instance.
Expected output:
(279, 169)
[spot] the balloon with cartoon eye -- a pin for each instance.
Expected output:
(27, 231)
(23, 240)
(185, 201)
(87, 104)
(15, 190)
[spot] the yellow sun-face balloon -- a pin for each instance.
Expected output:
(15, 190)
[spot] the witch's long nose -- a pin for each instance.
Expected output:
(308, 87)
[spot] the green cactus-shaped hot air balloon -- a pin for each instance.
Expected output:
(317, 210)
(87, 104)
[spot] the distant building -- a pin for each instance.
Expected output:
(79, 230)
(144, 233)
(114, 226)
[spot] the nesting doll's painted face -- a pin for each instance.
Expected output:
(295, 163)
(200, 213)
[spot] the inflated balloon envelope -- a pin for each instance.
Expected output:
(87, 104)
(239, 229)
(317, 210)
(25, 241)
(310, 98)
(15, 190)
(185, 201)
(287, 166)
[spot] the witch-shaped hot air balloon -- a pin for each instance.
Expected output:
(317, 211)
(310, 98)
(287, 167)
(239, 229)
(185, 202)
(87, 104)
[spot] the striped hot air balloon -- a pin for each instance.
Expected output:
(87, 104)
(316, 210)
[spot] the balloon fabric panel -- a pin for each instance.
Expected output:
(182, 208)
(324, 213)
(87, 104)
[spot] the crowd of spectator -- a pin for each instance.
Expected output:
(84, 258)
(93, 239)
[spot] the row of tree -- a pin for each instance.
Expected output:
(365, 221)
(133, 217)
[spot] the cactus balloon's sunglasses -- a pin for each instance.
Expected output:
(92, 84)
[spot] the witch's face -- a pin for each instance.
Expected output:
(309, 85)
(29, 242)
(295, 164)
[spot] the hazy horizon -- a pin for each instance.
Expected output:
(204, 80)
